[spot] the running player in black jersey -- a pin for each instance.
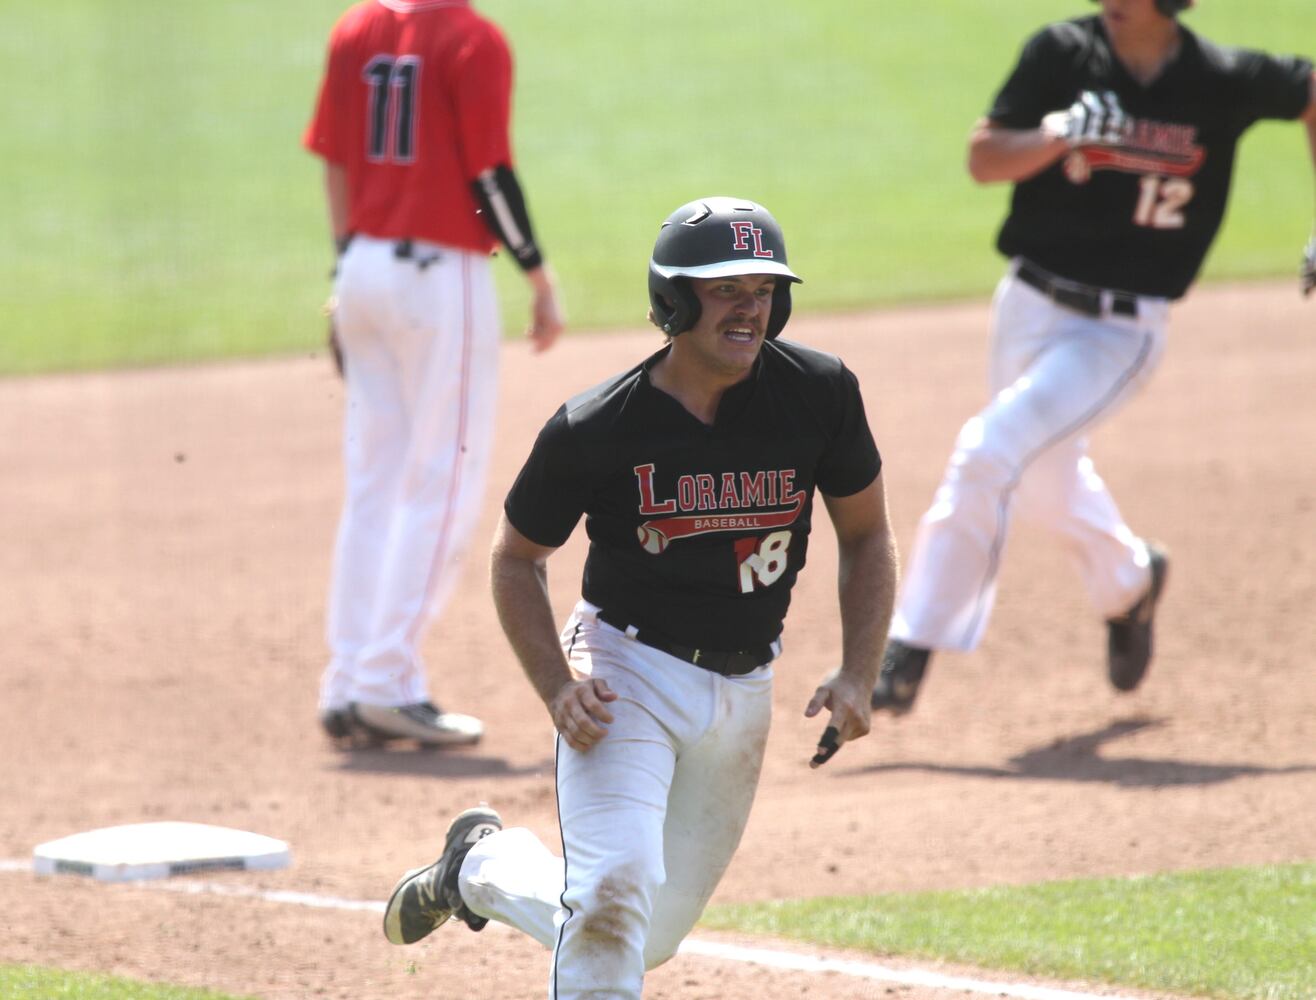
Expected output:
(1118, 131)
(696, 473)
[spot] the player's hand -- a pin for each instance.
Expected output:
(546, 315)
(848, 702)
(332, 340)
(580, 711)
(1307, 276)
(1096, 118)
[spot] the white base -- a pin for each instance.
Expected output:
(158, 850)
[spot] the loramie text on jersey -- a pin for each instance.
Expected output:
(764, 488)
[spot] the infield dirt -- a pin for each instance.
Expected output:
(166, 555)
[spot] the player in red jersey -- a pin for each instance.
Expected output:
(412, 123)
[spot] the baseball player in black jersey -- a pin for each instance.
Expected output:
(1118, 131)
(696, 473)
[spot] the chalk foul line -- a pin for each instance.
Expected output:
(701, 947)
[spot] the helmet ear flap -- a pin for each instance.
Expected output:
(716, 238)
(675, 306)
(781, 308)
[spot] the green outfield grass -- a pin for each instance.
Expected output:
(1241, 933)
(50, 984)
(160, 209)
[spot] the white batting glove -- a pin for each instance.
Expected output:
(1307, 276)
(1096, 118)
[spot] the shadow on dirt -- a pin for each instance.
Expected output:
(1078, 758)
(435, 763)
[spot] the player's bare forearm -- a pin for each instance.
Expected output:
(518, 575)
(519, 578)
(1008, 154)
(866, 590)
(867, 587)
(336, 200)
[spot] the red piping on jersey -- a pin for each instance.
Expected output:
(454, 486)
(1137, 162)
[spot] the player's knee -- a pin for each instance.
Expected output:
(658, 952)
(981, 456)
(612, 913)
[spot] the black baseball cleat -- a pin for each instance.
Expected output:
(424, 722)
(902, 671)
(337, 725)
(1129, 637)
(425, 898)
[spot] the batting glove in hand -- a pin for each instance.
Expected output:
(1096, 118)
(1307, 276)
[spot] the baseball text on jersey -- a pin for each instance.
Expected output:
(700, 495)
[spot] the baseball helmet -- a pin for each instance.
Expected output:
(715, 238)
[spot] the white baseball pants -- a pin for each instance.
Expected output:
(421, 348)
(650, 817)
(1054, 375)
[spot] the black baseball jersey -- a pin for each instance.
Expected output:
(698, 532)
(1137, 216)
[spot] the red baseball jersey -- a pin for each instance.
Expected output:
(415, 103)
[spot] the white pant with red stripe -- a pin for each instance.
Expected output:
(651, 816)
(1055, 375)
(421, 351)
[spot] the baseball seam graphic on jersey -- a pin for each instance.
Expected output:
(1007, 495)
(672, 528)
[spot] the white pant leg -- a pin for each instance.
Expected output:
(448, 360)
(511, 877)
(651, 816)
(708, 806)
(376, 434)
(1056, 375)
(1063, 493)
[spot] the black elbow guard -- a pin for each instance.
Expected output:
(503, 210)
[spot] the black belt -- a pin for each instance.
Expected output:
(407, 250)
(1085, 299)
(719, 661)
(402, 249)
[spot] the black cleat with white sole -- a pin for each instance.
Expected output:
(426, 898)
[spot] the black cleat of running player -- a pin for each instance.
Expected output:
(902, 671)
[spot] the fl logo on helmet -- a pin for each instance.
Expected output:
(749, 236)
(693, 243)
